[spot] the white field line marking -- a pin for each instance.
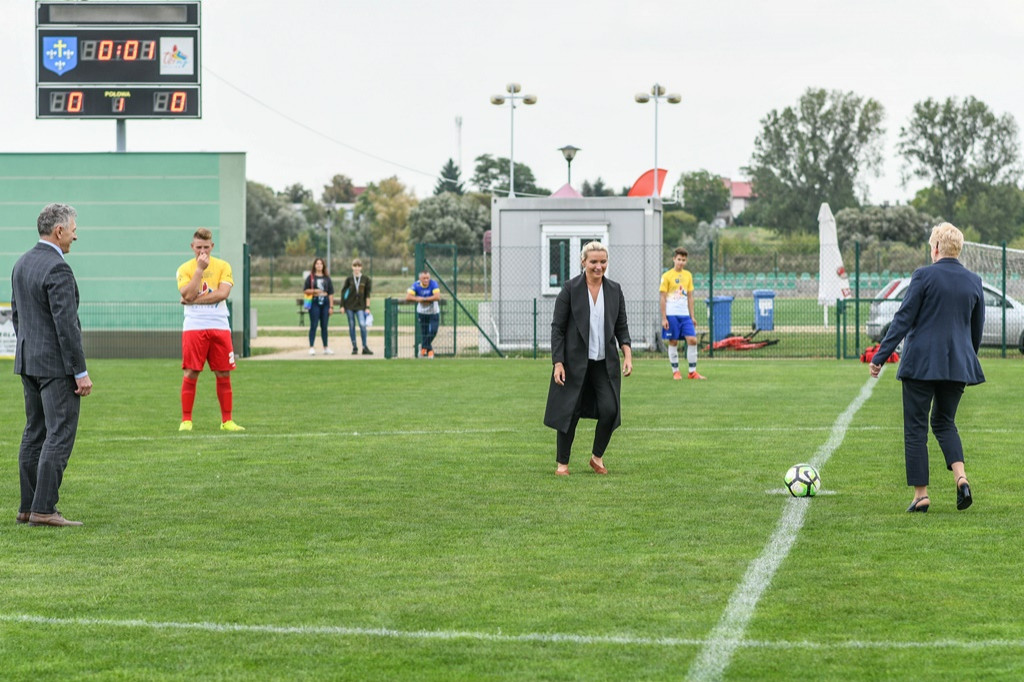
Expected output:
(175, 436)
(727, 635)
(434, 432)
(442, 635)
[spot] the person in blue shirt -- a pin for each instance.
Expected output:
(426, 293)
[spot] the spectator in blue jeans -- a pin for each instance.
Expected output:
(355, 299)
(319, 286)
(426, 293)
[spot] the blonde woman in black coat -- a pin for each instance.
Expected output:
(587, 330)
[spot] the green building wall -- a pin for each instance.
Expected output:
(136, 216)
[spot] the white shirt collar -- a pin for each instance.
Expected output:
(59, 250)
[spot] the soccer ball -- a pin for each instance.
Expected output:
(802, 480)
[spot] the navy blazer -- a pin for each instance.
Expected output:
(941, 319)
(44, 307)
(570, 342)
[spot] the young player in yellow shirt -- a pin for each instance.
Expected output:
(204, 283)
(677, 314)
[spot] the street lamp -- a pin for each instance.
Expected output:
(512, 89)
(328, 224)
(569, 152)
(657, 92)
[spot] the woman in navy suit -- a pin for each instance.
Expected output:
(940, 321)
(587, 329)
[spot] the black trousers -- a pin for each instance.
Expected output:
(599, 386)
(941, 398)
(51, 422)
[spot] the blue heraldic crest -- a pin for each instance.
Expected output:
(60, 54)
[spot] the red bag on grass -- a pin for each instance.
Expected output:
(869, 353)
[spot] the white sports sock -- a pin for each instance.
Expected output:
(673, 357)
(691, 356)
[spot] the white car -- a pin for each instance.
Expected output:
(888, 301)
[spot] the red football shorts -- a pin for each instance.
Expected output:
(200, 345)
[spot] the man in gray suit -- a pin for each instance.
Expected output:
(50, 359)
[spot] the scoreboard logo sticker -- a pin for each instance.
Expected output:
(60, 54)
(179, 56)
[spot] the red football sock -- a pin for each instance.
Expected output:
(224, 396)
(188, 398)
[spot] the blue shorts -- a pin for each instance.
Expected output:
(679, 327)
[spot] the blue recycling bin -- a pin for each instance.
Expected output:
(720, 314)
(764, 309)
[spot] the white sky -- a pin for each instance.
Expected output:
(389, 77)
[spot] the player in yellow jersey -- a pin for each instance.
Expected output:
(677, 314)
(204, 283)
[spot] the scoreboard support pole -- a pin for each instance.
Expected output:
(122, 135)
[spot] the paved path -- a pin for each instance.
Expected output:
(297, 348)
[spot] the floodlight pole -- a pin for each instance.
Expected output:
(511, 147)
(657, 93)
(512, 89)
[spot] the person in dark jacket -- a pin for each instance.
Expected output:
(319, 287)
(587, 330)
(50, 358)
(355, 299)
(940, 323)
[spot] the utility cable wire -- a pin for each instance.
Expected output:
(313, 130)
(304, 126)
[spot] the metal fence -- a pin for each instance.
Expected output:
(754, 314)
(277, 274)
(132, 329)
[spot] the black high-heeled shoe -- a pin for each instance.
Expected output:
(916, 505)
(963, 494)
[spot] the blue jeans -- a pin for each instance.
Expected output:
(428, 329)
(354, 315)
(318, 313)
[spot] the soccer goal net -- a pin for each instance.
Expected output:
(987, 260)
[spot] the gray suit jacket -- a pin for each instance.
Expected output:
(44, 306)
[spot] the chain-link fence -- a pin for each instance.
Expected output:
(130, 329)
(754, 304)
(284, 274)
(766, 312)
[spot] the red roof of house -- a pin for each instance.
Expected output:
(739, 189)
(742, 190)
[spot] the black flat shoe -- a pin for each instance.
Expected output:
(920, 504)
(963, 494)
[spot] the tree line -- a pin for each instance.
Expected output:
(822, 149)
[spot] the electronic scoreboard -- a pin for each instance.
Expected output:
(117, 60)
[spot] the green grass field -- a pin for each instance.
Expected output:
(401, 520)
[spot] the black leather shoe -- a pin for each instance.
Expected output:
(963, 494)
(920, 504)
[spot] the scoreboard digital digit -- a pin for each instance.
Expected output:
(117, 60)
